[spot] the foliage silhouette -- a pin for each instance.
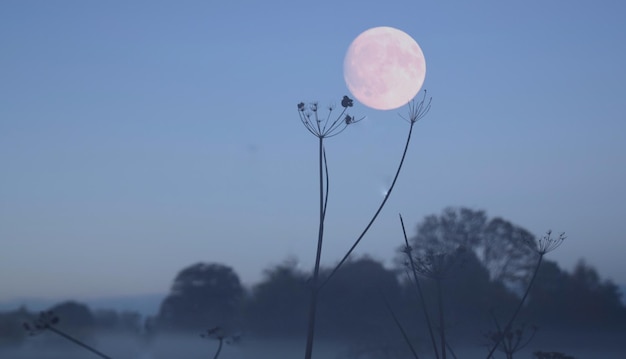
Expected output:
(202, 293)
(576, 300)
(277, 305)
(501, 246)
(350, 305)
(442, 243)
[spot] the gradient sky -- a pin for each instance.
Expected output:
(140, 137)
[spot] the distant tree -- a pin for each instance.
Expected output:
(352, 304)
(70, 317)
(470, 295)
(74, 316)
(504, 249)
(130, 321)
(546, 299)
(579, 299)
(202, 296)
(277, 305)
(510, 255)
(11, 327)
(107, 319)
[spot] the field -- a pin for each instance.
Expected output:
(589, 346)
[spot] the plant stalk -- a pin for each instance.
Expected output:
(219, 348)
(380, 208)
(78, 342)
(442, 329)
(400, 327)
(519, 307)
(419, 291)
(320, 236)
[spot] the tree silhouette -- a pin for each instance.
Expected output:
(202, 295)
(351, 305)
(506, 252)
(579, 299)
(277, 305)
(75, 317)
(503, 248)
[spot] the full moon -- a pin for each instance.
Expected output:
(384, 68)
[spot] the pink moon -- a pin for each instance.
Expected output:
(384, 68)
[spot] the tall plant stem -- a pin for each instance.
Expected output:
(418, 287)
(78, 342)
(400, 327)
(442, 326)
(320, 236)
(380, 208)
(219, 348)
(507, 328)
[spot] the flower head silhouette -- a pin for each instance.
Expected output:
(326, 127)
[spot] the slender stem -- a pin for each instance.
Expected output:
(442, 325)
(380, 208)
(418, 286)
(78, 342)
(451, 351)
(327, 183)
(507, 328)
(320, 236)
(219, 348)
(397, 321)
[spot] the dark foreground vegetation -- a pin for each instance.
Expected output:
(481, 287)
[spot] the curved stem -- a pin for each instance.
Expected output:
(219, 348)
(507, 328)
(418, 286)
(320, 236)
(380, 208)
(327, 184)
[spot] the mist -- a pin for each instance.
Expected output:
(189, 346)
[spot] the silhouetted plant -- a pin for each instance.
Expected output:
(413, 266)
(47, 321)
(324, 127)
(511, 341)
(218, 334)
(437, 265)
(545, 245)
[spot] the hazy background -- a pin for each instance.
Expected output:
(138, 138)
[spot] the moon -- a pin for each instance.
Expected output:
(384, 68)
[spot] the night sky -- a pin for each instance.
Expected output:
(137, 138)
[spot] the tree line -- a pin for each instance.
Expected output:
(490, 259)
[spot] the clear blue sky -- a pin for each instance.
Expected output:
(137, 138)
